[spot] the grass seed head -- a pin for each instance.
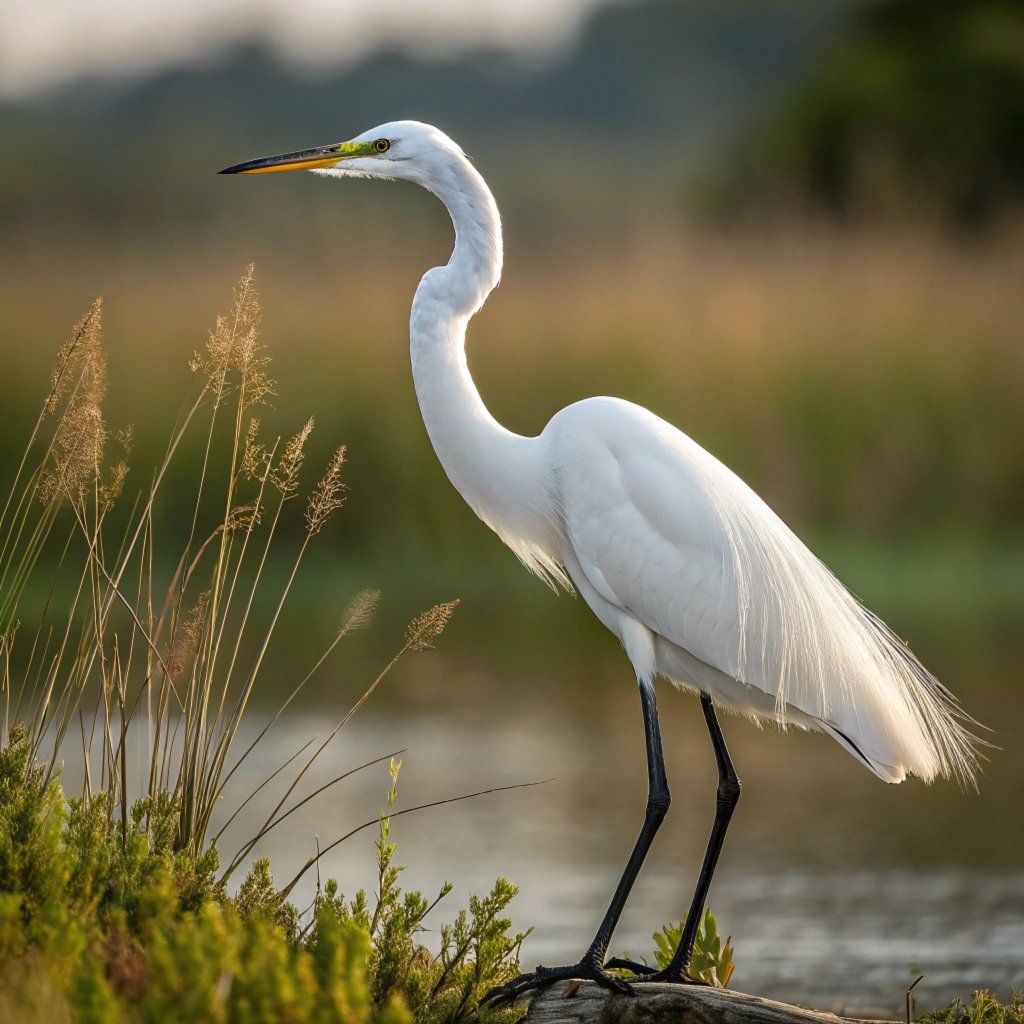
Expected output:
(84, 336)
(285, 473)
(244, 517)
(429, 625)
(80, 384)
(328, 495)
(111, 489)
(360, 610)
(234, 345)
(188, 636)
(255, 458)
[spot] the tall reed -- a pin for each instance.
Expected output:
(137, 645)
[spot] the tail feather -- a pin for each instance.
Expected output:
(886, 772)
(941, 716)
(805, 639)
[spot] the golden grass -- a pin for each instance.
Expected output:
(166, 644)
(864, 378)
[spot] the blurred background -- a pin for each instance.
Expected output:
(794, 230)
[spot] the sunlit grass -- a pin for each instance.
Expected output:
(137, 643)
(865, 381)
(120, 900)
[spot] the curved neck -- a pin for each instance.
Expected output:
(474, 269)
(495, 470)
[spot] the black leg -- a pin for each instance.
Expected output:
(727, 797)
(658, 799)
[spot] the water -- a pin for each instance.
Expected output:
(837, 889)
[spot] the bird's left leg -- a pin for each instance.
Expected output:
(658, 799)
(727, 796)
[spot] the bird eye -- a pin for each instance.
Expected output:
(382, 145)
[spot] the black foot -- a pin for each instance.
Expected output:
(645, 973)
(617, 963)
(508, 993)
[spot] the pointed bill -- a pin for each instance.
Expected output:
(302, 159)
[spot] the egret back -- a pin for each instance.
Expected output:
(671, 537)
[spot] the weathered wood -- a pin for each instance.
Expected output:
(665, 1004)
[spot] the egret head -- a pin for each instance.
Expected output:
(398, 149)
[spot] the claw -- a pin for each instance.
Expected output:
(617, 963)
(678, 978)
(504, 995)
(645, 973)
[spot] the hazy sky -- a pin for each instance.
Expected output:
(47, 41)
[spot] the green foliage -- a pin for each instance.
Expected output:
(31, 816)
(104, 924)
(916, 109)
(712, 957)
(984, 1008)
(477, 950)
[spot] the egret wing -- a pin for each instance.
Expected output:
(668, 534)
(643, 525)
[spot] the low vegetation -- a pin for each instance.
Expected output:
(118, 901)
(984, 1008)
(105, 921)
(712, 956)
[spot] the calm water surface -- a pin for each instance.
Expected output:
(837, 889)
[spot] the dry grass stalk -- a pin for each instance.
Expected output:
(255, 457)
(132, 646)
(429, 625)
(285, 473)
(234, 345)
(360, 611)
(185, 644)
(85, 335)
(327, 495)
(79, 385)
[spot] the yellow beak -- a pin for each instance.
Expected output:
(301, 160)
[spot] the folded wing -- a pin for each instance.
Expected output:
(671, 536)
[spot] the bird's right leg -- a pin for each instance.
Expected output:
(728, 794)
(658, 799)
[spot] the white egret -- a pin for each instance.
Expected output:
(700, 580)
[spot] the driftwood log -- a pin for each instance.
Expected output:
(664, 1004)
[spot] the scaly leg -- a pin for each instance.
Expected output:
(658, 799)
(728, 796)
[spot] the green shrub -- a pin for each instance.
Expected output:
(984, 1008)
(104, 925)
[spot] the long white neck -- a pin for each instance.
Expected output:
(500, 474)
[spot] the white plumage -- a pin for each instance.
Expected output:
(698, 578)
(666, 543)
(696, 575)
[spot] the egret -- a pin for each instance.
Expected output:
(702, 583)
